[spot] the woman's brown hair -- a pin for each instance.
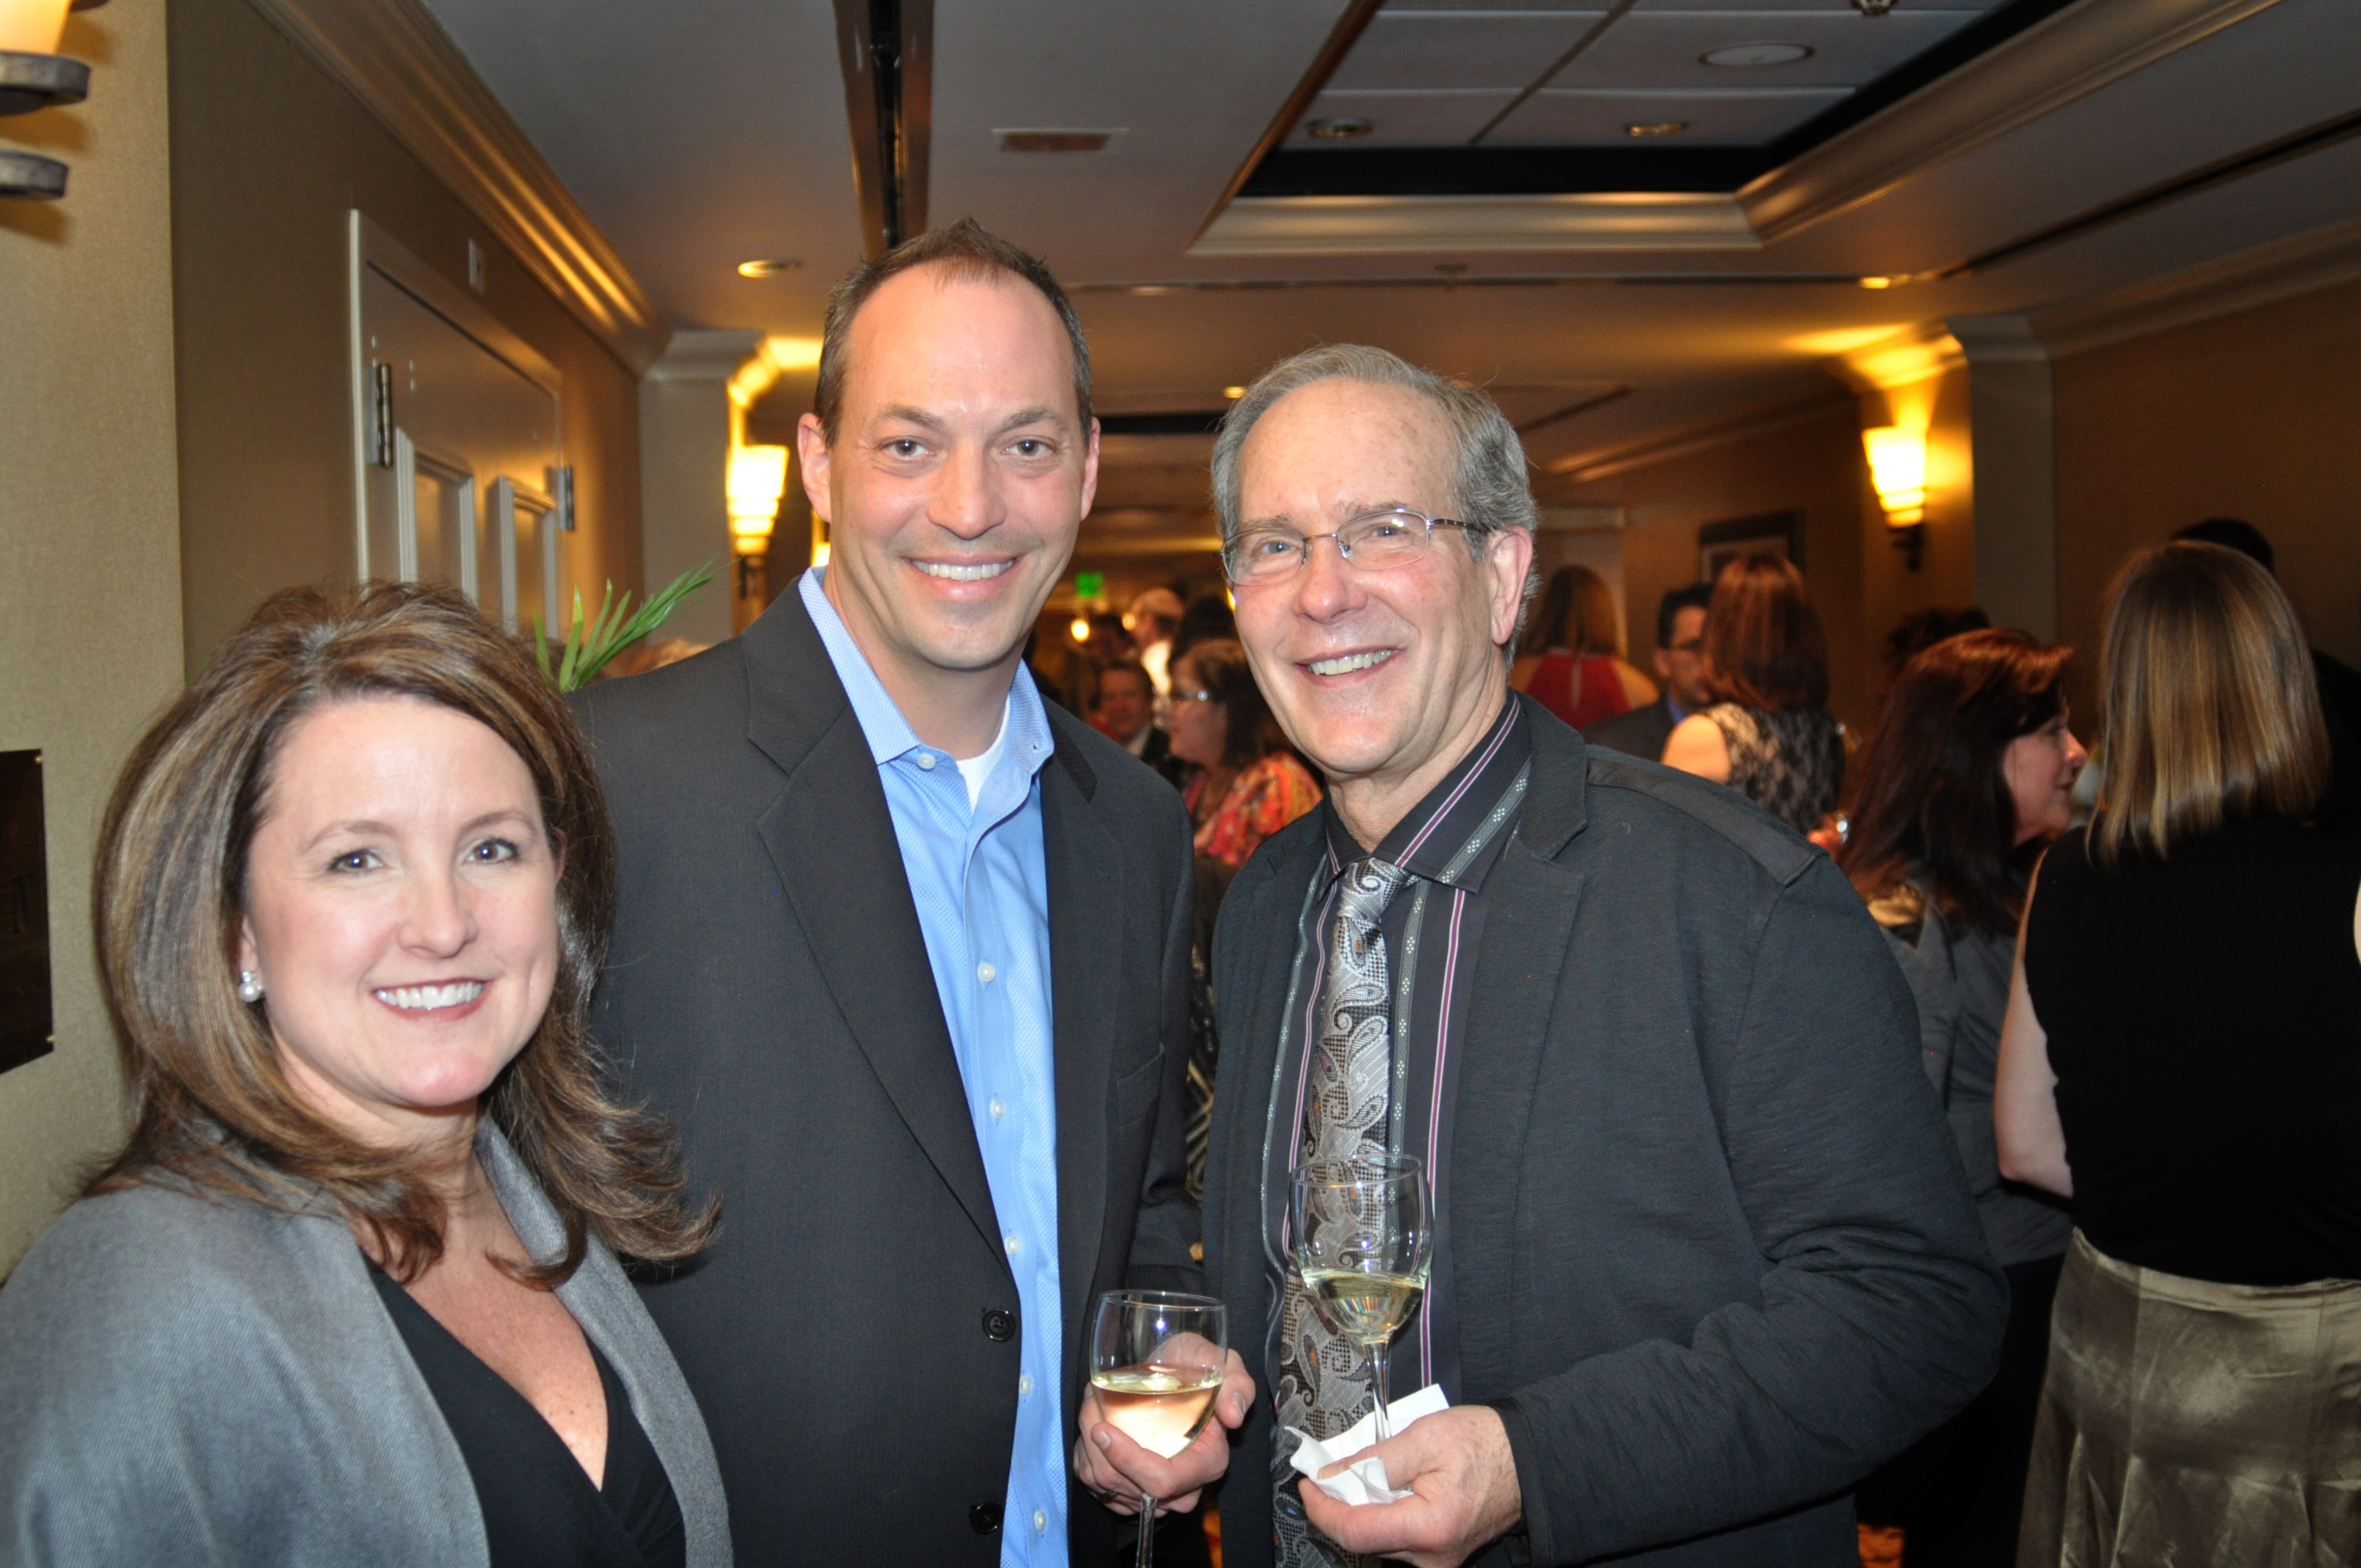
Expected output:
(209, 1102)
(1577, 611)
(2210, 710)
(1763, 645)
(1222, 669)
(1935, 802)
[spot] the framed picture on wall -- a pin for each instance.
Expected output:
(1779, 533)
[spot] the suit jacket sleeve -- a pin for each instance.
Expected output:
(1880, 1312)
(1164, 1255)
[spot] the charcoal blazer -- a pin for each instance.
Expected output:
(851, 1336)
(1715, 1258)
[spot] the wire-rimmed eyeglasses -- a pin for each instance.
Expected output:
(1374, 541)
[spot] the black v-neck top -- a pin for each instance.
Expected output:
(540, 1510)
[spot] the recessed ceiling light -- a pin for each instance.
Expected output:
(1656, 128)
(767, 266)
(1757, 54)
(1337, 131)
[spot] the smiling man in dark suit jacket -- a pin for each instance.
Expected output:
(1704, 1256)
(904, 950)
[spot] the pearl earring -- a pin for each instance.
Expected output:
(250, 986)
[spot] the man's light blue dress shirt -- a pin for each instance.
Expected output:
(981, 885)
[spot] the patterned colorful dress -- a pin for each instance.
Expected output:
(1265, 797)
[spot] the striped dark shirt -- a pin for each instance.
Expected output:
(1434, 927)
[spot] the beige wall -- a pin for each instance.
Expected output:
(90, 584)
(2254, 415)
(1812, 465)
(268, 155)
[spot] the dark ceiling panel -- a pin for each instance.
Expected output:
(1599, 117)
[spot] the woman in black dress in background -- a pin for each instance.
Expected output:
(2182, 1059)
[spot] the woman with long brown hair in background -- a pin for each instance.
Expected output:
(1769, 734)
(2182, 1059)
(1569, 659)
(350, 1292)
(1970, 773)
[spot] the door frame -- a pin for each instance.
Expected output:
(369, 246)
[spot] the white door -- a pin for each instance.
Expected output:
(460, 452)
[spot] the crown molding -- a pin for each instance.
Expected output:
(704, 355)
(1387, 225)
(1915, 354)
(1808, 400)
(2047, 66)
(2283, 269)
(396, 58)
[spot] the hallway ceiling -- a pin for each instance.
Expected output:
(702, 135)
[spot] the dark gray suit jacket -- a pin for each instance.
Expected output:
(1639, 733)
(768, 988)
(1715, 1257)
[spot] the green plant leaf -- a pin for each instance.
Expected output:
(587, 650)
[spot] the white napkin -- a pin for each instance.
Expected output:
(1365, 1482)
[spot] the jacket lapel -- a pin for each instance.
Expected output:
(830, 837)
(1087, 900)
(1534, 903)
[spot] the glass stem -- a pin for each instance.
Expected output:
(1146, 1530)
(1377, 1381)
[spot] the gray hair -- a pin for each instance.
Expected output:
(1489, 491)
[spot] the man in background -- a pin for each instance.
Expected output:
(1155, 616)
(1680, 671)
(1127, 715)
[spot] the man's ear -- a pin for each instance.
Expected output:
(811, 456)
(1512, 562)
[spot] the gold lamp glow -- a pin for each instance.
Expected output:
(1897, 467)
(758, 477)
(31, 27)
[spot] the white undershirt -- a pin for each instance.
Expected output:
(975, 769)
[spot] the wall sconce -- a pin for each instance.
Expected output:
(33, 75)
(758, 477)
(1898, 467)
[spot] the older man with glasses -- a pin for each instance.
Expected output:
(1704, 1256)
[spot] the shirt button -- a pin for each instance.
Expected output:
(997, 1109)
(985, 972)
(1025, 1385)
(926, 761)
(1014, 1246)
(1040, 1520)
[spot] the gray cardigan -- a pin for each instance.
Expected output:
(189, 1380)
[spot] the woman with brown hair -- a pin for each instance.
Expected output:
(2182, 1059)
(1248, 785)
(1568, 659)
(350, 1291)
(1769, 734)
(1972, 772)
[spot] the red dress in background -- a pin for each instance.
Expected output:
(1554, 687)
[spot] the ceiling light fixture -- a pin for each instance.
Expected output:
(1338, 130)
(1873, 7)
(767, 266)
(1742, 55)
(1656, 128)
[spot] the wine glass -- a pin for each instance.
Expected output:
(1157, 1359)
(1364, 1238)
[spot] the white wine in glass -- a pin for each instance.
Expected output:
(1363, 1236)
(1157, 1359)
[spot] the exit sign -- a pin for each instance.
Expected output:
(1089, 585)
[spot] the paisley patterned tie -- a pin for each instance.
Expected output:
(1324, 1380)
